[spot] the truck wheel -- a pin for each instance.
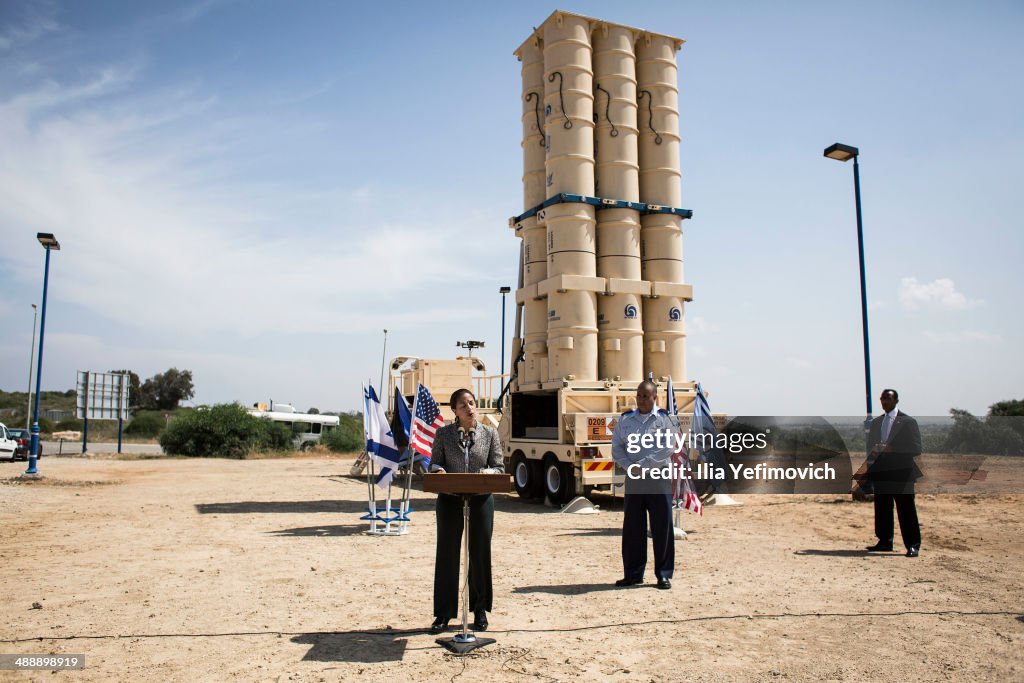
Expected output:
(559, 484)
(526, 476)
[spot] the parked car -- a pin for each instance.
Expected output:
(8, 445)
(23, 437)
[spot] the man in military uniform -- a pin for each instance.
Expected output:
(646, 496)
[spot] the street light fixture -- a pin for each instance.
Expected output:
(842, 152)
(503, 291)
(49, 243)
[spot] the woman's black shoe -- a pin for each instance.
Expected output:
(480, 620)
(439, 625)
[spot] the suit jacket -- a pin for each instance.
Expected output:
(895, 470)
(485, 453)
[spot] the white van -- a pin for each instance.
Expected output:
(307, 428)
(7, 444)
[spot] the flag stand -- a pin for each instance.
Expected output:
(381, 451)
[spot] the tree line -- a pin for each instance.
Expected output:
(163, 391)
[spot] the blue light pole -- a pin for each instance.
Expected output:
(49, 243)
(842, 152)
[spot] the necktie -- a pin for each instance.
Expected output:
(886, 426)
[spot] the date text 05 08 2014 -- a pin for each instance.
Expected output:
(44, 662)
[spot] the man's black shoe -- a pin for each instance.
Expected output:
(913, 551)
(880, 548)
(480, 620)
(628, 582)
(664, 584)
(439, 625)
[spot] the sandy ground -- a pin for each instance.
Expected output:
(258, 570)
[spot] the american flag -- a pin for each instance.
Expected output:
(684, 491)
(426, 420)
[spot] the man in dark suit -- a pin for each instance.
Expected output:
(894, 442)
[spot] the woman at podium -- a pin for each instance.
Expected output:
(448, 454)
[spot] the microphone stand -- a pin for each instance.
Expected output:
(465, 442)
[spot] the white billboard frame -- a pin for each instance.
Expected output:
(101, 395)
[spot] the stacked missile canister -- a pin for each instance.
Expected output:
(602, 259)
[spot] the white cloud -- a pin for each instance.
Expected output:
(939, 294)
(962, 336)
(146, 242)
(799, 363)
(696, 351)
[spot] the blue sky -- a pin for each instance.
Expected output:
(254, 190)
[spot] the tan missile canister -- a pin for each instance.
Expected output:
(535, 323)
(571, 239)
(661, 234)
(568, 105)
(615, 108)
(572, 326)
(661, 247)
(658, 100)
(571, 289)
(532, 57)
(616, 152)
(535, 337)
(535, 250)
(533, 368)
(664, 330)
(620, 336)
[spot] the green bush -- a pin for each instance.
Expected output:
(988, 437)
(224, 430)
(69, 424)
(146, 424)
(45, 425)
(348, 437)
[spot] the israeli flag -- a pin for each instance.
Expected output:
(403, 412)
(380, 442)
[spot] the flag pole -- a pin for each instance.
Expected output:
(412, 461)
(383, 358)
(370, 475)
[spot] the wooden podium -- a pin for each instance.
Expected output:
(466, 485)
(458, 483)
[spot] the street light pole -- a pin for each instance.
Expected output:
(31, 362)
(863, 294)
(49, 243)
(843, 152)
(504, 291)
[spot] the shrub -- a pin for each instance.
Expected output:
(146, 424)
(69, 424)
(348, 437)
(225, 430)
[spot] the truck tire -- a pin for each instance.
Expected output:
(559, 483)
(526, 474)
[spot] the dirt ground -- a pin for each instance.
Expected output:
(184, 570)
